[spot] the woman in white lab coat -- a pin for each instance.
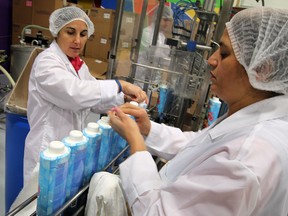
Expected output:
(149, 53)
(61, 90)
(238, 165)
(164, 27)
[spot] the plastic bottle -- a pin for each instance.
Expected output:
(93, 133)
(54, 162)
(134, 103)
(143, 105)
(78, 145)
(162, 98)
(213, 109)
(106, 142)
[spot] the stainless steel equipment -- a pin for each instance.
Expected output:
(182, 71)
(19, 57)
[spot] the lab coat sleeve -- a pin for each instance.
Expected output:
(146, 39)
(218, 186)
(62, 88)
(166, 141)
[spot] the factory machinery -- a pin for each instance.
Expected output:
(176, 79)
(177, 83)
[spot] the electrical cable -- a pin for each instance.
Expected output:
(5, 72)
(30, 26)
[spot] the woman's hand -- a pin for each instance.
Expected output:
(140, 115)
(128, 129)
(133, 92)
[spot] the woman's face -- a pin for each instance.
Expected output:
(229, 80)
(72, 38)
(165, 25)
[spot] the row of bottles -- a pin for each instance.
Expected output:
(68, 165)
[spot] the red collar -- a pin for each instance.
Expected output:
(76, 62)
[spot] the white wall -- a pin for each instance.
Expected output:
(268, 3)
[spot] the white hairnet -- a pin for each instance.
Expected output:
(167, 13)
(259, 38)
(62, 16)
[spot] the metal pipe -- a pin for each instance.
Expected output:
(139, 38)
(30, 26)
(209, 5)
(74, 199)
(225, 14)
(157, 22)
(164, 70)
(115, 38)
(22, 205)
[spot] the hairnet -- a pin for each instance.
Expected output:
(167, 13)
(259, 38)
(62, 16)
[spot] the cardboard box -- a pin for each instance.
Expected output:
(43, 9)
(87, 4)
(123, 66)
(22, 11)
(96, 67)
(125, 42)
(103, 20)
(98, 47)
(17, 100)
(129, 24)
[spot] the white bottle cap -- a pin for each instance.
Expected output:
(105, 119)
(134, 103)
(143, 105)
(92, 127)
(215, 98)
(162, 85)
(54, 149)
(75, 136)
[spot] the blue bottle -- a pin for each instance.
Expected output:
(77, 142)
(93, 133)
(119, 144)
(163, 92)
(143, 105)
(53, 173)
(214, 106)
(106, 142)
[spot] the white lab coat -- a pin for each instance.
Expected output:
(236, 167)
(157, 56)
(59, 101)
(147, 37)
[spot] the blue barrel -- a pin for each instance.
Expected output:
(17, 128)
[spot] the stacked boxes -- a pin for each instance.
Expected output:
(37, 12)
(98, 45)
(128, 33)
(32, 12)
(21, 17)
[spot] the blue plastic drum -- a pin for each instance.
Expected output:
(17, 128)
